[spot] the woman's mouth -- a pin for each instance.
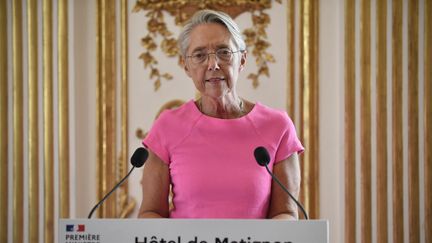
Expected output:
(217, 79)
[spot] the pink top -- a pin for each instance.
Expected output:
(212, 167)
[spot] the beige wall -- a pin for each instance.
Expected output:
(144, 102)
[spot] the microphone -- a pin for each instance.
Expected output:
(263, 158)
(137, 160)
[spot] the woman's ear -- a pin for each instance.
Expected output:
(185, 66)
(243, 60)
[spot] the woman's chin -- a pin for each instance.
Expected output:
(216, 93)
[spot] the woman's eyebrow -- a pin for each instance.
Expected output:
(200, 48)
(222, 46)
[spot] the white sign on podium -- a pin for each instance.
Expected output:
(192, 231)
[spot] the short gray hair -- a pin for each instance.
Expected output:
(210, 16)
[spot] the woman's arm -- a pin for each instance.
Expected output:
(155, 187)
(288, 173)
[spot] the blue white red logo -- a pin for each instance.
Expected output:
(75, 228)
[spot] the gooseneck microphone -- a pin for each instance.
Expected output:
(263, 158)
(138, 159)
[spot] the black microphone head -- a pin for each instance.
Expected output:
(262, 156)
(139, 157)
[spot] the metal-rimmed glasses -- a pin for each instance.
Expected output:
(222, 55)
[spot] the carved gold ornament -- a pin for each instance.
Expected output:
(182, 10)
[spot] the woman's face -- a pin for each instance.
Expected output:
(213, 77)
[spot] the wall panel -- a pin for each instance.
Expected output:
(397, 132)
(309, 108)
(349, 147)
(18, 126)
(48, 122)
(3, 123)
(428, 119)
(413, 122)
(63, 108)
(389, 153)
(365, 121)
(33, 117)
(381, 121)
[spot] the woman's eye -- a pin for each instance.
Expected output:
(224, 52)
(199, 55)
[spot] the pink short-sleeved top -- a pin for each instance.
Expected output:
(212, 167)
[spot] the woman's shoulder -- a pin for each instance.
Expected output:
(266, 114)
(177, 119)
(172, 125)
(181, 113)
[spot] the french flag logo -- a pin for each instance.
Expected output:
(81, 228)
(69, 228)
(75, 228)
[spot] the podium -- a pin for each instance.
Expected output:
(192, 231)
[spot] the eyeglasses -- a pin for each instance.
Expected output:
(222, 55)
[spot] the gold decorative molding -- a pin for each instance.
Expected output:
(3, 124)
(33, 130)
(48, 122)
(99, 113)
(63, 107)
(428, 120)
(365, 122)
(307, 15)
(381, 121)
(349, 136)
(413, 122)
(400, 40)
(106, 105)
(182, 10)
(309, 107)
(397, 126)
(291, 59)
(126, 204)
(18, 124)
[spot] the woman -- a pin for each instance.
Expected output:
(204, 148)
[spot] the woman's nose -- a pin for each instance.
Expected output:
(213, 62)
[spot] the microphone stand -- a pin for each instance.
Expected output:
(289, 194)
(109, 193)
